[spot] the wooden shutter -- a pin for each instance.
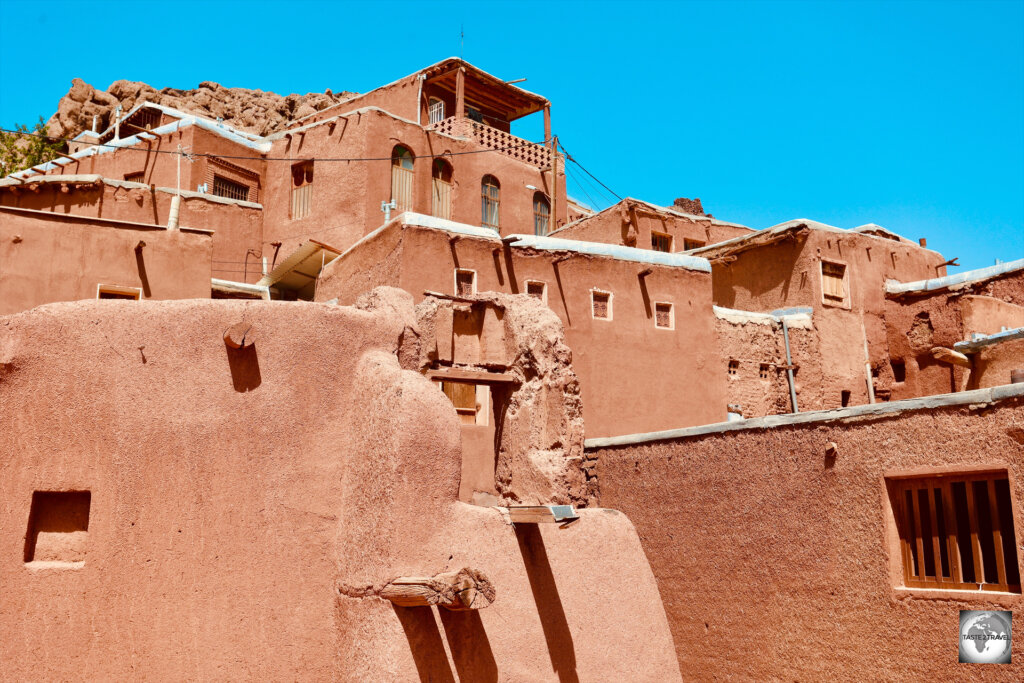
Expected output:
(442, 199)
(401, 188)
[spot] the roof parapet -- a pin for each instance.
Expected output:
(980, 341)
(968, 277)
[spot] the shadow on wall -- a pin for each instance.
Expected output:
(549, 605)
(467, 640)
(245, 368)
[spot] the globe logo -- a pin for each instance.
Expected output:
(985, 637)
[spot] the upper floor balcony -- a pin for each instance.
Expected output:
(498, 140)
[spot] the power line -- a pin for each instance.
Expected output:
(570, 158)
(525, 143)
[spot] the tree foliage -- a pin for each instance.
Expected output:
(25, 148)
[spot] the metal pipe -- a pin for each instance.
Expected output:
(789, 368)
(419, 99)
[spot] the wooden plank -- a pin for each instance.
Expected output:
(997, 534)
(922, 573)
(542, 514)
(972, 515)
(936, 541)
(473, 376)
(945, 355)
(955, 571)
(462, 590)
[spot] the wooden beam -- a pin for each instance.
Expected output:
(465, 589)
(473, 376)
(460, 93)
(542, 514)
(944, 355)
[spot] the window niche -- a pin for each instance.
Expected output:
(58, 529)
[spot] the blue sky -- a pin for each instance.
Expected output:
(905, 114)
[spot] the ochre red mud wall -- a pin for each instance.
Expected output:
(39, 249)
(778, 562)
(618, 225)
(247, 506)
(634, 377)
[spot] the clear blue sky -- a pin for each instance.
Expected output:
(905, 114)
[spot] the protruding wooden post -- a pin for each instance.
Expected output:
(462, 590)
(547, 122)
(240, 335)
(460, 93)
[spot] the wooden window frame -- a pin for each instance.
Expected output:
(486, 200)
(403, 180)
(611, 299)
(135, 177)
(302, 190)
(540, 200)
(441, 190)
(431, 101)
(455, 280)
(733, 368)
(689, 245)
(121, 292)
(543, 289)
(671, 315)
(827, 299)
(478, 415)
(914, 549)
(229, 182)
(656, 236)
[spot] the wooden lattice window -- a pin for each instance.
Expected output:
(401, 178)
(222, 187)
(465, 282)
(137, 177)
(537, 289)
(441, 189)
(601, 303)
(833, 282)
(734, 367)
(435, 110)
(663, 316)
(689, 244)
(661, 242)
(956, 532)
(541, 214)
(490, 197)
(302, 189)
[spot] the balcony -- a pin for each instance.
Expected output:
(498, 140)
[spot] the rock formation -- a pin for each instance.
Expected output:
(254, 111)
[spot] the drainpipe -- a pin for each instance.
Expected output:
(419, 99)
(867, 364)
(117, 123)
(789, 364)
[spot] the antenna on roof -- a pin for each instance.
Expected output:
(462, 38)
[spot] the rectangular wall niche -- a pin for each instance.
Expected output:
(58, 527)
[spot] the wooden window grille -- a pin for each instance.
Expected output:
(689, 244)
(137, 177)
(490, 197)
(764, 371)
(435, 110)
(734, 367)
(661, 242)
(302, 189)
(541, 214)
(465, 282)
(402, 178)
(833, 284)
(602, 305)
(441, 192)
(957, 532)
(222, 187)
(663, 315)
(463, 397)
(536, 289)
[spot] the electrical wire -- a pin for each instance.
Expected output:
(570, 158)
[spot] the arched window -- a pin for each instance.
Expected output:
(401, 178)
(490, 193)
(541, 214)
(441, 189)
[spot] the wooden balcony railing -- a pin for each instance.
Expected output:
(498, 140)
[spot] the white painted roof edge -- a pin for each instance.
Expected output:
(281, 134)
(188, 194)
(231, 285)
(868, 227)
(89, 178)
(966, 277)
(796, 317)
(182, 115)
(614, 251)
(980, 341)
(655, 207)
(977, 396)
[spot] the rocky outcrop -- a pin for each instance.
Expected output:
(254, 111)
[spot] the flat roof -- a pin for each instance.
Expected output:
(980, 341)
(654, 208)
(965, 278)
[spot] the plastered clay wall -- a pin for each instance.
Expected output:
(916, 323)
(631, 224)
(237, 227)
(759, 541)
(247, 506)
(38, 249)
(630, 372)
(992, 365)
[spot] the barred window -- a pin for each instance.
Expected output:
(541, 214)
(661, 242)
(956, 531)
(436, 110)
(465, 282)
(692, 244)
(222, 187)
(136, 177)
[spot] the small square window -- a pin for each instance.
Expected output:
(58, 526)
(661, 242)
(899, 370)
(602, 304)
(663, 316)
(844, 397)
(465, 282)
(537, 289)
(833, 283)
(137, 177)
(118, 292)
(692, 244)
(764, 370)
(734, 367)
(222, 187)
